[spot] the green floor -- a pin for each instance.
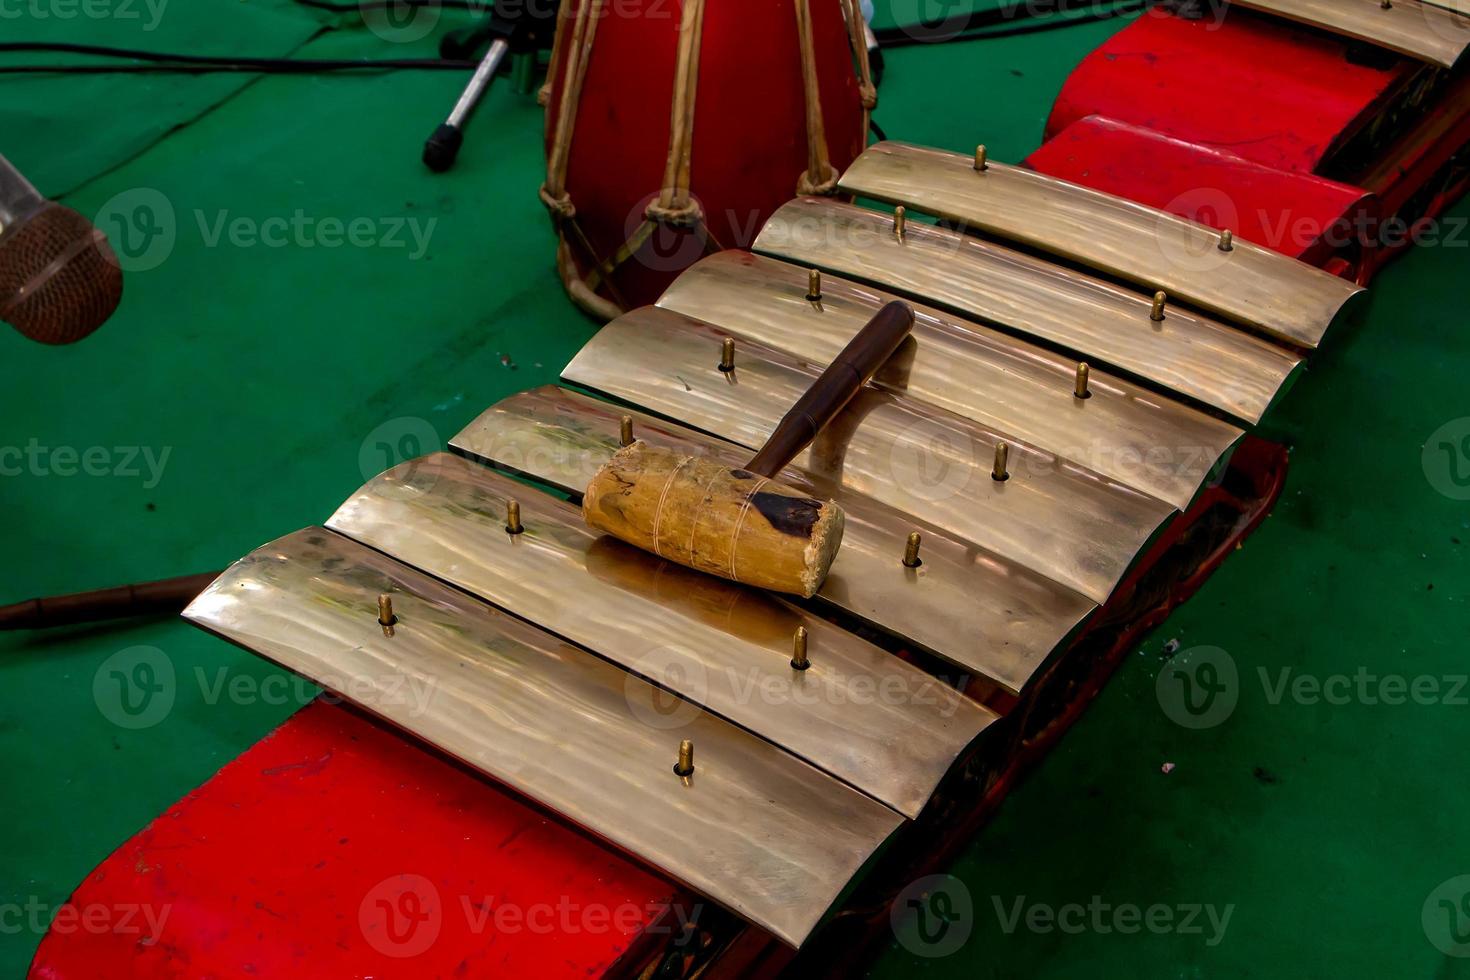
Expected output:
(270, 375)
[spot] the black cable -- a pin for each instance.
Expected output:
(347, 8)
(161, 61)
(981, 25)
(977, 26)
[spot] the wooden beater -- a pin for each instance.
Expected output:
(741, 524)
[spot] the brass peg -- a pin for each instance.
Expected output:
(1227, 241)
(685, 765)
(386, 619)
(813, 285)
(1083, 373)
(1157, 313)
(625, 431)
(799, 659)
(513, 517)
(911, 557)
(998, 472)
(900, 221)
(727, 355)
(981, 163)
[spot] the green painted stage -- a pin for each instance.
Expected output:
(245, 388)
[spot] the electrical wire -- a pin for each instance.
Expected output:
(160, 61)
(1036, 17)
(1004, 21)
(475, 6)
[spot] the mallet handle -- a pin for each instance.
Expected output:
(844, 377)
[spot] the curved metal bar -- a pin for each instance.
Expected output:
(970, 607)
(753, 827)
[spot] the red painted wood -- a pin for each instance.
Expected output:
(1300, 215)
(750, 142)
(1251, 85)
(337, 848)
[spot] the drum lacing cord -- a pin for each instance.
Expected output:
(570, 54)
(820, 176)
(867, 90)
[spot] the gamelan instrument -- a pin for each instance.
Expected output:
(1055, 415)
(1058, 455)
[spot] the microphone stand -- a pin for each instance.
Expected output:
(522, 29)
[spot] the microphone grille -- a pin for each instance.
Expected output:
(59, 279)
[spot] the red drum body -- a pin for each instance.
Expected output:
(676, 127)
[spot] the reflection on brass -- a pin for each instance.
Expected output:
(799, 659)
(911, 550)
(759, 831)
(1249, 285)
(1055, 518)
(982, 374)
(998, 472)
(1227, 240)
(1012, 619)
(900, 219)
(710, 641)
(1161, 299)
(727, 356)
(513, 517)
(625, 431)
(386, 619)
(814, 285)
(1080, 389)
(980, 162)
(685, 765)
(1426, 31)
(1191, 355)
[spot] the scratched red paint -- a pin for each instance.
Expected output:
(336, 848)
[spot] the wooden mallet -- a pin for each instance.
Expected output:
(741, 524)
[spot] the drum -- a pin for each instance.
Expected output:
(676, 127)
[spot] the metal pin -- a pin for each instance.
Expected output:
(727, 355)
(386, 619)
(900, 219)
(799, 659)
(685, 765)
(1157, 313)
(1080, 390)
(813, 285)
(513, 517)
(1227, 240)
(980, 158)
(911, 557)
(625, 431)
(998, 472)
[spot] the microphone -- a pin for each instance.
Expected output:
(59, 279)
